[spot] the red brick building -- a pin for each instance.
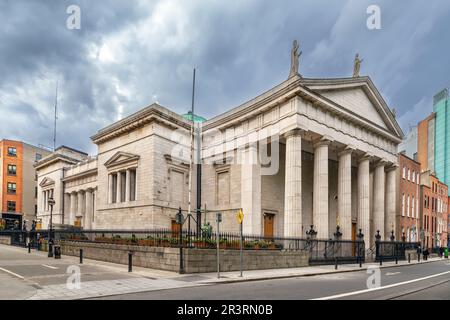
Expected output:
(408, 202)
(434, 215)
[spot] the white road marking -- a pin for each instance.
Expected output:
(392, 273)
(50, 267)
(12, 273)
(337, 296)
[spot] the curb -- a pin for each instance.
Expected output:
(313, 274)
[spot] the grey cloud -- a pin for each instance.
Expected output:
(127, 52)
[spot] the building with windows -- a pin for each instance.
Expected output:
(18, 181)
(442, 136)
(434, 228)
(308, 152)
(408, 202)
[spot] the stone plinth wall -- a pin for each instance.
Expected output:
(5, 240)
(194, 260)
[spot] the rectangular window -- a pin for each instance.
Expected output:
(418, 178)
(403, 205)
(11, 206)
(409, 175)
(12, 170)
(123, 184)
(413, 176)
(413, 207)
(114, 188)
(12, 152)
(407, 207)
(404, 173)
(11, 187)
(132, 185)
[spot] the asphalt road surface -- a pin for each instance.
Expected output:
(423, 281)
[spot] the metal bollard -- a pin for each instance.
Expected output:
(409, 257)
(360, 262)
(335, 263)
(418, 257)
(29, 247)
(130, 262)
(396, 260)
(81, 256)
(381, 262)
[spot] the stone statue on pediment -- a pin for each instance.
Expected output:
(357, 66)
(295, 55)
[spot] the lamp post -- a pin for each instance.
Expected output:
(51, 203)
(179, 218)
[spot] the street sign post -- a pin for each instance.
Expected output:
(240, 219)
(219, 220)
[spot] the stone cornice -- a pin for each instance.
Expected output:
(147, 115)
(53, 158)
(80, 175)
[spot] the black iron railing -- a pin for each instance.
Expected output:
(321, 251)
(392, 250)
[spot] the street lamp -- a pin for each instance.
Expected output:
(51, 203)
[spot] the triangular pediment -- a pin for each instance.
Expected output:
(46, 182)
(360, 97)
(120, 158)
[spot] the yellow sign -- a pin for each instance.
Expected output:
(240, 216)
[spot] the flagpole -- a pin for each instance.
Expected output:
(191, 163)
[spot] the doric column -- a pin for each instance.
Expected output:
(119, 188)
(251, 190)
(80, 208)
(88, 215)
(320, 195)
(127, 186)
(345, 193)
(73, 207)
(378, 198)
(391, 198)
(293, 185)
(66, 208)
(364, 199)
(110, 188)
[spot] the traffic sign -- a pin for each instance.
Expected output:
(240, 216)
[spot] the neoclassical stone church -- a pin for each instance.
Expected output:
(308, 152)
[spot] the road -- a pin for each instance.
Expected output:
(396, 283)
(34, 276)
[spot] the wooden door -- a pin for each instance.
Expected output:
(354, 237)
(268, 225)
(175, 227)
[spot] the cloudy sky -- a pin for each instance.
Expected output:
(129, 54)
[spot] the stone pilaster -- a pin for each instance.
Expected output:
(320, 193)
(80, 207)
(364, 198)
(119, 188)
(110, 188)
(127, 186)
(251, 190)
(73, 207)
(378, 199)
(345, 193)
(391, 198)
(293, 185)
(89, 208)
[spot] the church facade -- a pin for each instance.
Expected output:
(308, 152)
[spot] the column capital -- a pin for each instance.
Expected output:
(381, 163)
(294, 132)
(347, 149)
(366, 156)
(391, 167)
(322, 141)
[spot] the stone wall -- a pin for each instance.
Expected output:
(195, 260)
(5, 240)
